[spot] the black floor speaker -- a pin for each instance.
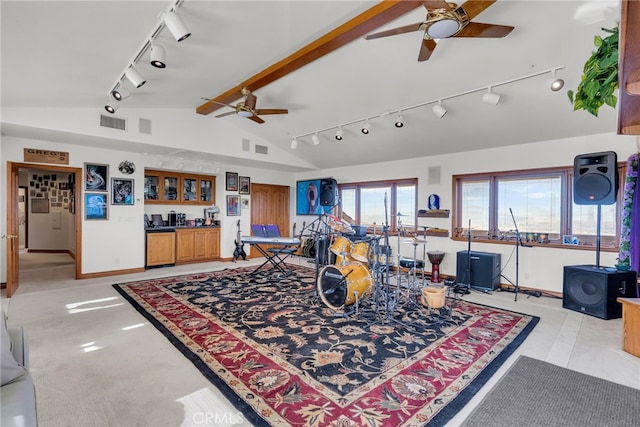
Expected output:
(484, 269)
(593, 291)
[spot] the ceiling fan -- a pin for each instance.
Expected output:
(446, 20)
(247, 108)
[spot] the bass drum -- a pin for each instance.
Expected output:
(341, 285)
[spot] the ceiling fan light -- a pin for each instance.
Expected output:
(245, 114)
(176, 26)
(339, 134)
(399, 122)
(157, 56)
(491, 98)
(439, 110)
(294, 143)
(134, 77)
(315, 139)
(443, 29)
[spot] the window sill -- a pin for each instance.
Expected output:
(556, 245)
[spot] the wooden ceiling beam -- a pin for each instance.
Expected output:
(367, 21)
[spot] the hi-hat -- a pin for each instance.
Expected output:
(414, 241)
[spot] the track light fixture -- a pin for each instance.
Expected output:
(439, 110)
(556, 83)
(157, 55)
(399, 122)
(111, 105)
(134, 77)
(490, 97)
(294, 143)
(176, 26)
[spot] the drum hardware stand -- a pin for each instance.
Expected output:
(462, 288)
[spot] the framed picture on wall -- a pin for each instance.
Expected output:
(244, 202)
(95, 177)
(245, 185)
(233, 205)
(96, 206)
(232, 181)
(122, 191)
(39, 205)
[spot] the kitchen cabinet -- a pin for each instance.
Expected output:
(197, 244)
(161, 248)
(163, 187)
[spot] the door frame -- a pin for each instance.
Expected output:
(13, 169)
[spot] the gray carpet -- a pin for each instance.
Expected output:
(537, 393)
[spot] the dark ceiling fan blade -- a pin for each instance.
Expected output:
(426, 49)
(478, 29)
(272, 111)
(226, 114)
(256, 119)
(395, 31)
(250, 101)
(475, 7)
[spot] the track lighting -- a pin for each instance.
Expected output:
(134, 77)
(157, 55)
(490, 97)
(315, 139)
(556, 83)
(365, 128)
(294, 143)
(111, 106)
(439, 110)
(176, 26)
(398, 122)
(339, 134)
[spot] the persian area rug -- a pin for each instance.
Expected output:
(538, 394)
(285, 358)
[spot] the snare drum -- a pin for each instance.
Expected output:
(360, 251)
(341, 285)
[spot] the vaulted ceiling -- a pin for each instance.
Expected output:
(69, 54)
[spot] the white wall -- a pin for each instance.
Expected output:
(539, 267)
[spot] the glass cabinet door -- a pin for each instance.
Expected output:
(151, 183)
(189, 189)
(206, 193)
(170, 188)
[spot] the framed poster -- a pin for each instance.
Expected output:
(232, 181)
(95, 177)
(121, 191)
(245, 185)
(308, 198)
(233, 205)
(244, 202)
(96, 206)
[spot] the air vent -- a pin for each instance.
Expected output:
(113, 122)
(262, 149)
(144, 126)
(246, 145)
(434, 174)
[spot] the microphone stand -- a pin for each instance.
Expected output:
(516, 286)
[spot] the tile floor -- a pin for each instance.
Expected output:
(97, 362)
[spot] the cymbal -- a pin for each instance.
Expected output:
(414, 241)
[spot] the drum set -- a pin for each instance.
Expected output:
(353, 272)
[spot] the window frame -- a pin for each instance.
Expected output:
(393, 203)
(566, 173)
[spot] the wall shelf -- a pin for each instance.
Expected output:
(434, 213)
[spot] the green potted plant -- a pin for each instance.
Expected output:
(600, 76)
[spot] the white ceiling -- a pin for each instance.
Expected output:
(70, 54)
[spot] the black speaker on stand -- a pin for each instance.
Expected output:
(328, 192)
(591, 290)
(595, 178)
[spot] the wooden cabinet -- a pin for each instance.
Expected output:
(631, 325)
(161, 249)
(162, 187)
(197, 244)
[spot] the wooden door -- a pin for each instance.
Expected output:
(13, 251)
(270, 205)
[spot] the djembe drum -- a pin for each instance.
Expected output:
(435, 258)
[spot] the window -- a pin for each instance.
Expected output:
(379, 202)
(538, 203)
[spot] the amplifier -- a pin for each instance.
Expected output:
(480, 270)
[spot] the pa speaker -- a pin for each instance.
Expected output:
(595, 178)
(479, 270)
(328, 192)
(593, 291)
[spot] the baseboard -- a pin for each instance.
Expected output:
(111, 273)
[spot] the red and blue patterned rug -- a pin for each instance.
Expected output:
(284, 358)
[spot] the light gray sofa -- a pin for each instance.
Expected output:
(17, 392)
